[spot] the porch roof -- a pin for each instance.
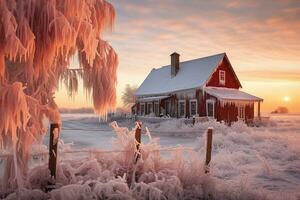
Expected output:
(231, 95)
(156, 98)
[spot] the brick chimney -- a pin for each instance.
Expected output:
(174, 64)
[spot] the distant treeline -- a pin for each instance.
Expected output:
(280, 110)
(76, 110)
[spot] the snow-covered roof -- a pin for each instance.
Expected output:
(192, 74)
(229, 94)
(153, 98)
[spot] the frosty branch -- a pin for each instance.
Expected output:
(37, 41)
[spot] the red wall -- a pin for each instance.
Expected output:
(249, 112)
(230, 80)
(229, 113)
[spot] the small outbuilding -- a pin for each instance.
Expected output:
(203, 87)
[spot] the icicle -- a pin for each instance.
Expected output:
(237, 103)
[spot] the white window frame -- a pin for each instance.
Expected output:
(213, 103)
(239, 112)
(184, 112)
(190, 107)
(141, 108)
(222, 81)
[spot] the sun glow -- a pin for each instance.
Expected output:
(286, 98)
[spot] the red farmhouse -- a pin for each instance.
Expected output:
(204, 87)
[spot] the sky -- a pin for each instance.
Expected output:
(261, 39)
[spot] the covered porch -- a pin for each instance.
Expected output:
(150, 105)
(233, 105)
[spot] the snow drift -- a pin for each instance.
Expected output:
(180, 175)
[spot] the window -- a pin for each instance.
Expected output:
(181, 108)
(142, 108)
(193, 107)
(156, 109)
(210, 108)
(241, 112)
(150, 108)
(222, 77)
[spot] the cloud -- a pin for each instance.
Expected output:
(241, 4)
(260, 37)
(270, 75)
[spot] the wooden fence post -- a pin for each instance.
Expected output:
(138, 132)
(208, 149)
(54, 135)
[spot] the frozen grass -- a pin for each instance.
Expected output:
(247, 163)
(261, 158)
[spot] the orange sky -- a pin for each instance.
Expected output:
(261, 39)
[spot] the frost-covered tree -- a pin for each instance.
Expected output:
(128, 95)
(37, 40)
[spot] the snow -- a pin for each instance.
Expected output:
(192, 74)
(153, 98)
(85, 131)
(247, 162)
(229, 94)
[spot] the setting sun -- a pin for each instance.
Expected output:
(286, 98)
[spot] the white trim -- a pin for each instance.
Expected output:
(213, 103)
(221, 81)
(193, 100)
(181, 101)
(141, 108)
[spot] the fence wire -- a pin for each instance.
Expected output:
(4, 155)
(152, 130)
(95, 151)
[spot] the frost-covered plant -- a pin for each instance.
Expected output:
(179, 176)
(37, 40)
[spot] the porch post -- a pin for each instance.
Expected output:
(159, 108)
(258, 110)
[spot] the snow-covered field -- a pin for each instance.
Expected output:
(85, 131)
(247, 162)
(264, 158)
